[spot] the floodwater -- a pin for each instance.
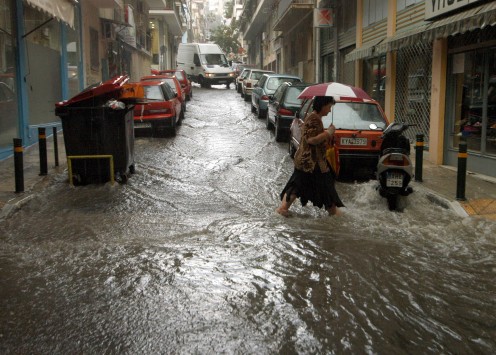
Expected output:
(189, 257)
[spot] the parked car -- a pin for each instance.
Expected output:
(282, 108)
(162, 111)
(182, 77)
(250, 80)
(239, 67)
(359, 127)
(264, 89)
(239, 80)
(173, 83)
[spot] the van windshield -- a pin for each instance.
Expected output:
(214, 59)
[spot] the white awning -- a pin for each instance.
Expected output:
(63, 10)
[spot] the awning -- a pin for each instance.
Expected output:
(475, 18)
(404, 38)
(62, 10)
(366, 51)
(472, 19)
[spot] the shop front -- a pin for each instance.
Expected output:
(471, 99)
(44, 68)
(8, 78)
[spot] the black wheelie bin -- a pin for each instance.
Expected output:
(98, 124)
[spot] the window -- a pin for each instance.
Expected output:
(474, 79)
(94, 54)
(374, 11)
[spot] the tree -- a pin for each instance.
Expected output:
(228, 9)
(226, 37)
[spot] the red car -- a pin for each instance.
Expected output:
(359, 129)
(173, 83)
(162, 111)
(182, 77)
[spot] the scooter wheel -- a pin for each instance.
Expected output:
(392, 202)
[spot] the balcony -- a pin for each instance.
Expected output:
(168, 10)
(260, 16)
(291, 12)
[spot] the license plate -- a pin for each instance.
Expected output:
(353, 141)
(142, 125)
(394, 179)
(222, 81)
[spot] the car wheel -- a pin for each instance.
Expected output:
(262, 113)
(268, 124)
(238, 88)
(247, 98)
(278, 133)
(253, 109)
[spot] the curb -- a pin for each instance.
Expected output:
(445, 203)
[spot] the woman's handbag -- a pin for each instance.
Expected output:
(332, 156)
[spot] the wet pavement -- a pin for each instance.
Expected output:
(189, 256)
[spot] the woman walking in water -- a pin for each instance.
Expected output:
(313, 179)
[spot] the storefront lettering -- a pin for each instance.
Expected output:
(435, 8)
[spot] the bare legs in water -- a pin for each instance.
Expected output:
(283, 209)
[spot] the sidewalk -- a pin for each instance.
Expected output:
(440, 181)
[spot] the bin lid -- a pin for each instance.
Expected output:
(116, 87)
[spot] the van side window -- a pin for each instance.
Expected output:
(196, 60)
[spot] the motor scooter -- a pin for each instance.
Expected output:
(394, 169)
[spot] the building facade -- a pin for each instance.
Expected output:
(51, 50)
(429, 63)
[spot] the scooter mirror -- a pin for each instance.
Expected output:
(373, 126)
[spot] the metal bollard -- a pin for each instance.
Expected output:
(43, 151)
(419, 157)
(18, 165)
(55, 146)
(462, 171)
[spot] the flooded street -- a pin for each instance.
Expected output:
(189, 257)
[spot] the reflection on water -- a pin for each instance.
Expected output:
(189, 257)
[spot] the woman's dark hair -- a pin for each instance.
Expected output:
(321, 101)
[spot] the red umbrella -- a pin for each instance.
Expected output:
(337, 90)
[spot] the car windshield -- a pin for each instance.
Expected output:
(179, 75)
(274, 83)
(214, 59)
(355, 115)
(154, 93)
(256, 75)
(292, 96)
(172, 84)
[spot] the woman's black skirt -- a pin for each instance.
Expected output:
(316, 187)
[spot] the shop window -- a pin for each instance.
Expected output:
(375, 78)
(94, 55)
(474, 81)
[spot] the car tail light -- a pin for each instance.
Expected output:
(285, 112)
(395, 160)
(248, 85)
(265, 98)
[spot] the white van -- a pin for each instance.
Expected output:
(205, 63)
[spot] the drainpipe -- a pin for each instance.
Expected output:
(317, 53)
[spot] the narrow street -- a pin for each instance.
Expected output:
(190, 257)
